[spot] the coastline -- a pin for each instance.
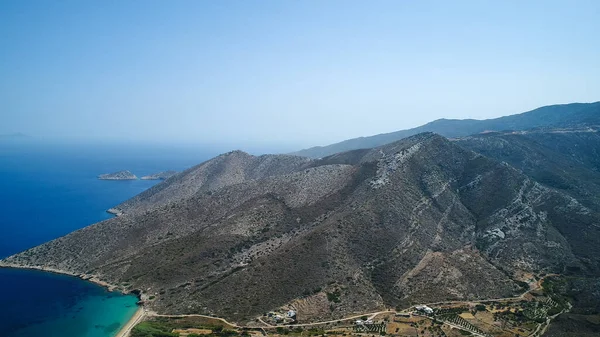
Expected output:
(133, 321)
(90, 278)
(137, 317)
(114, 211)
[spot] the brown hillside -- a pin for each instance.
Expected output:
(419, 220)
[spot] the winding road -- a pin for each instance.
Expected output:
(535, 286)
(153, 314)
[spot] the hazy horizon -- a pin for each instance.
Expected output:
(287, 74)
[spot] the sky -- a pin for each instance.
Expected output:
(290, 72)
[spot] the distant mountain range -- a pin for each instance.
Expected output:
(14, 136)
(552, 116)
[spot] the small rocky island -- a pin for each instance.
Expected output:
(160, 175)
(121, 175)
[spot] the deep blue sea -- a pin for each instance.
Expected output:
(49, 190)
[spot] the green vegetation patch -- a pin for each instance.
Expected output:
(334, 296)
(152, 329)
(162, 327)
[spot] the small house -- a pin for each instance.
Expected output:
(425, 309)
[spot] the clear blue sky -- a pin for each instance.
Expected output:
(289, 72)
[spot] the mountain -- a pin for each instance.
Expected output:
(553, 116)
(418, 220)
(227, 169)
(564, 159)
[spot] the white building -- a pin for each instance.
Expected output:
(424, 309)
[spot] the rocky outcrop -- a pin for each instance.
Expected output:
(564, 159)
(121, 175)
(160, 175)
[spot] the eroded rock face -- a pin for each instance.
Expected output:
(562, 189)
(121, 175)
(420, 220)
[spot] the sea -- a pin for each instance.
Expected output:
(50, 189)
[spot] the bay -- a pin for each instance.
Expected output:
(49, 190)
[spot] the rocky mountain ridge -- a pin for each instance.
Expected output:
(418, 220)
(224, 170)
(564, 159)
(553, 116)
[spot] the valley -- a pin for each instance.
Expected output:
(526, 315)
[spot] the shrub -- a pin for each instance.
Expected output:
(334, 297)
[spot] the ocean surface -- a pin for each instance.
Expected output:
(49, 190)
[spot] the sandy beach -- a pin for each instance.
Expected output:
(135, 319)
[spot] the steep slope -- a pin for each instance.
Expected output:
(224, 170)
(417, 220)
(564, 159)
(567, 115)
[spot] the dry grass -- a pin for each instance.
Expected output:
(185, 332)
(402, 329)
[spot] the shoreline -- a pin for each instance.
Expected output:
(137, 317)
(114, 211)
(84, 277)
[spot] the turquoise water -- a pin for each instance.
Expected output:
(47, 191)
(62, 306)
